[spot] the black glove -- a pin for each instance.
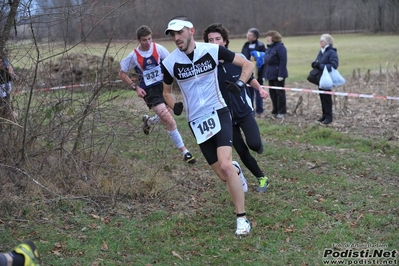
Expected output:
(315, 65)
(235, 87)
(178, 108)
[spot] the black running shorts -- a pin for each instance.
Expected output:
(154, 95)
(223, 138)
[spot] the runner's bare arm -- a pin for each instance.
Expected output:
(262, 92)
(126, 79)
(246, 65)
(168, 96)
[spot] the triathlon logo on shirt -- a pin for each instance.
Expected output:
(185, 71)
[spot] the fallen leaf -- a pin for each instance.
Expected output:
(95, 216)
(56, 252)
(93, 226)
(105, 220)
(105, 246)
(67, 227)
(176, 255)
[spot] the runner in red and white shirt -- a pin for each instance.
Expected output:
(146, 59)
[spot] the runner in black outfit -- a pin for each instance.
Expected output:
(240, 107)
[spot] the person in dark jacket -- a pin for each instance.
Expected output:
(255, 48)
(275, 71)
(6, 77)
(327, 57)
(240, 107)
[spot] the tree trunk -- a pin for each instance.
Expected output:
(8, 25)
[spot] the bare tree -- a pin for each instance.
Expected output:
(379, 15)
(9, 12)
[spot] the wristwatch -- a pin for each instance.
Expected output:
(240, 83)
(133, 86)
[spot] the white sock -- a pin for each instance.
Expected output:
(153, 120)
(176, 138)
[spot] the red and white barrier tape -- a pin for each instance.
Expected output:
(359, 95)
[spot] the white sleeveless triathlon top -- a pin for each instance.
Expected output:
(197, 79)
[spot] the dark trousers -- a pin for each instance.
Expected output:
(258, 99)
(326, 106)
(253, 140)
(278, 97)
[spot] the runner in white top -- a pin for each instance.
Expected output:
(146, 61)
(193, 65)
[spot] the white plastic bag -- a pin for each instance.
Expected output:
(326, 82)
(336, 77)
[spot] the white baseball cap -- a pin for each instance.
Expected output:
(177, 25)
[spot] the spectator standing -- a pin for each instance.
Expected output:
(240, 107)
(327, 57)
(193, 65)
(254, 48)
(6, 78)
(275, 71)
(146, 60)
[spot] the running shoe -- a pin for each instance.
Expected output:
(263, 184)
(146, 127)
(241, 176)
(189, 158)
(243, 226)
(29, 251)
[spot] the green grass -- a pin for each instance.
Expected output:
(355, 51)
(325, 190)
